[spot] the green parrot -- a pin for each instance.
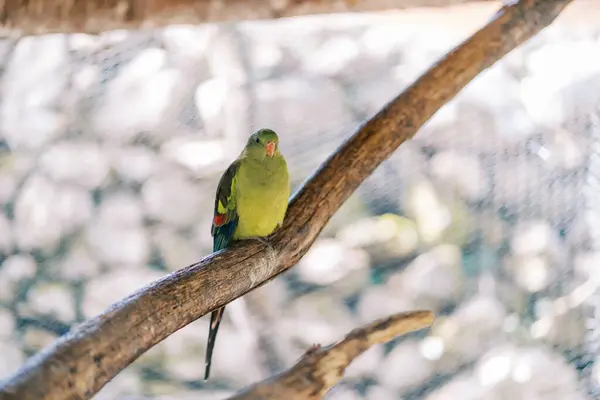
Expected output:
(251, 201)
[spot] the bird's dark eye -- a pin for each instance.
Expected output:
(257, 140)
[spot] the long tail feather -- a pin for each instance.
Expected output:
(215, 320)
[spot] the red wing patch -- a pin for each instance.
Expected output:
(219, 219)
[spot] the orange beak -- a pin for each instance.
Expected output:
(270, 148)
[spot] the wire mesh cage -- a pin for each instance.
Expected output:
(112, 146)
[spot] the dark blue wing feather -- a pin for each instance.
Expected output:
(222, 235)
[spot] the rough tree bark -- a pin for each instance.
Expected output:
(92, 16)
(81, 362)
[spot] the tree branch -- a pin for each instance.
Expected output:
(81, 362)
(93, 16)
(321, 369)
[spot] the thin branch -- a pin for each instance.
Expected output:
(321, 369)
(81, 362)
(93, 16)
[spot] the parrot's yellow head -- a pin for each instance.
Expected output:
(263, 143)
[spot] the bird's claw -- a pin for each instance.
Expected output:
(263, 240)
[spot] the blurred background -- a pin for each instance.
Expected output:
(112, 146)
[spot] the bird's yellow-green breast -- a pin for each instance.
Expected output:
(262, 191)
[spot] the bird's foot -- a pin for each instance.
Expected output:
(264, 240)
